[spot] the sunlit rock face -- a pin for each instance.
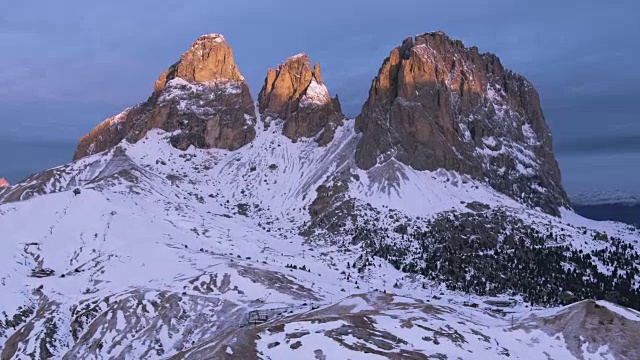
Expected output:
(203, 98)
(209, 59)
(438, 104)
(295, 93)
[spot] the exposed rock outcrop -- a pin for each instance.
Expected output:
(208, 60)
(203, 95)
(4, 183)
(437, 104)
(295, 93)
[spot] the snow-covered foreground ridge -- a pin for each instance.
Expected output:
(172, 254)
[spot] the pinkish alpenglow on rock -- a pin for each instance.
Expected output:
(435, 104)
(438, 104)
(4, 183)
(294, 92)
(202, 97)
(209, 59)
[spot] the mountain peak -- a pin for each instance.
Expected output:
(202, 98)
(295, 93)
(285, 85)
(209, 59)
(4, 183)
(435, 34)
(438, 104)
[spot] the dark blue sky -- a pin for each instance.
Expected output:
(65, 66)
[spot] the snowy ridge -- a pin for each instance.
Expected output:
(217, 37)
(271, 172)
(117, 119)
(296, 56)
(315, 95)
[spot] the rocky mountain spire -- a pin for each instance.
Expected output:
(4, 183)
(203, 95)
(316, 73)
(295, 93)
(438, 104)
(209, 59)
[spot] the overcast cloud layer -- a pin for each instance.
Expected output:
(65, 66)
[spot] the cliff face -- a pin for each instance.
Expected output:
(209, 59)
(438, 104)
(203, 95)
(295, 93)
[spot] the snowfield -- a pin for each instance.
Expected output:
(168, 254)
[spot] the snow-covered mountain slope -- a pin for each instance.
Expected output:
(436, 103)
(183, 254)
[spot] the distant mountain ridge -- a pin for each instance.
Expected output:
(621, 212)
(613, 205)
(605, 197)
(296, 94)
(203, 96)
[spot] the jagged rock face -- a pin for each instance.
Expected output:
(4, 183)
(203, 95)
(104, 136)
(209, 59)
(437, 104)
(295, 93)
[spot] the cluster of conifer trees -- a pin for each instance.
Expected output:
(493, 253)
